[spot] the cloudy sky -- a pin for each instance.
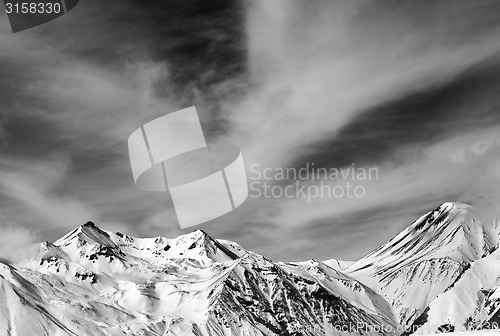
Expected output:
(409, 88)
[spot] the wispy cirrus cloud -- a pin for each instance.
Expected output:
(378, 85)
(317, 67)
(35, 186)
(393, 85)
(14, 239)
(69, 108)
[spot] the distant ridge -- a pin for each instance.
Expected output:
(439, 274)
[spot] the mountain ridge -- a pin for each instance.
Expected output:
(96, 282)
(436, 249)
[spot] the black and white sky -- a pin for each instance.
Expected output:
(411, 88)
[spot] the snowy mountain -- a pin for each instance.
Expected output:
(433, 266)
(94, 282)
(439, 274)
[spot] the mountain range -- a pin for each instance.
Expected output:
(440, 274)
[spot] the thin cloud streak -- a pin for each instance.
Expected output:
(321, 71)
(34, 185)
(302, 73)
(14, 240)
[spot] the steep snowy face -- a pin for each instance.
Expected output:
(95, 282)
(198, 247)
(471, 303)
(289, 299)
(343, 285)
(339, 265)
(453, 230)
(421, 262)
(441, 273)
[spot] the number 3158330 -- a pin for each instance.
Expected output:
(33, 8)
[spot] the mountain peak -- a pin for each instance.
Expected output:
(453, 229)
(439, 245)
(194, 282)
(441, 215)
(93, 243)
(452, 207)
(89, 224)
(86, 233)
(455, 205)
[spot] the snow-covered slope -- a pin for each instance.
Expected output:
(94, 282)
(339, 265)
(440, 274)
(473, 302)
(427, 258)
